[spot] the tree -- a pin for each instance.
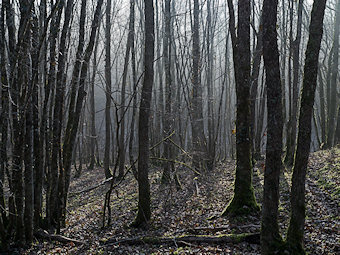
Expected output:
(199, 142)
(122, 147)
(297, 218)
(270, 235)
(244, 197)
(291, 133)
(168, 125)
(332, 114)
(144, 210)
(75, 110)
(107, 91)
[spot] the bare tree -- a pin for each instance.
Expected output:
(244, 198)
(144, 209)
(269, 228)
(297, 219)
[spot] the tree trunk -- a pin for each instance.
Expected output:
(122, 147)
(107, 91)
(144, 210)
(332, 114)
(57, 119)
(168, 125)
(243, 201)
(199, 142)
(295, 100)
(74, 114)
(270, 235)
(297, 219)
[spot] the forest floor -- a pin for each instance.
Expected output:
(202, 197)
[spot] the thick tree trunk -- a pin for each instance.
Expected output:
(297, 219)
(144, 209)
(52, 206)
(270, 235)
(244, 198)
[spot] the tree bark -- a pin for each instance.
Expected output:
(332, 114)
(270, 236)
(107, 147)
(168, 124)
(297, 219)
(199, 142)
(243, 201)
(144, 209)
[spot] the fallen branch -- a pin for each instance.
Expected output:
(253, 238)
(216, 229)
(177, 162)
(91, 188)
(63, 239)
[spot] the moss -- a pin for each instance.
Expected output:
(242, 204)
(296, 249)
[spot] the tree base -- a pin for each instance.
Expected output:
(239, 206)
(294, 248)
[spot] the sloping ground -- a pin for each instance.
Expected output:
(187, 211)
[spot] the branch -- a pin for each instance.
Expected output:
(253, 238)
(91, 188)
(178, 162)
(63, 239)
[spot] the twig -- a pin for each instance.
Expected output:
(177, 162)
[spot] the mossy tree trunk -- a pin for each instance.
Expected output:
(297, 219)
(244, 199)
(270, 235)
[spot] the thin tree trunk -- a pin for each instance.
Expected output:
(168, 125)
(295, 100)
(107, 91)
(144, 209)
(122, 147)
(197, 125)
(297, 219)
(332, 114)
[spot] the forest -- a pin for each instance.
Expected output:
(170, 127)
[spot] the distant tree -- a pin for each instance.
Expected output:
(334, 73)
(168, 123)
(199, 142)
(292, 123)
